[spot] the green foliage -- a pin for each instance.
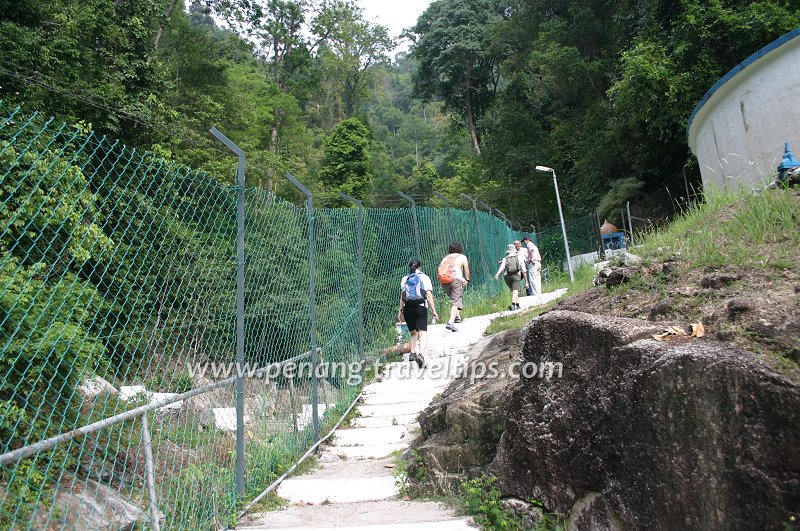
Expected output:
(346, 161)
(480, 498)
(410, 476)
(602, 92)
(621, 191)
(50, 235)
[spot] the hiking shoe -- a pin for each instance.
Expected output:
(451, 327)
(420, 360)
(413, 357)
(457, 319)
(511, 307)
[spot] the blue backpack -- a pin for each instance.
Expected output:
(413, 292)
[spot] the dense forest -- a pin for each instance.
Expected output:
(600, 91)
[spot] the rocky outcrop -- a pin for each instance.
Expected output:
(91, 506)
(641, 434)
(461, 428)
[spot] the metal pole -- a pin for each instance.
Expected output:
(491, 230)
(240, 457)
(449, 218)
(360, 277)
(478, 231)
(150, 477)
(601, 247)
(416, 225)
(563, 228)
(630, 223)
(505, 218)
(686, 185)
(507, 222)
(312, 306)
(41, 446)
(624, 226)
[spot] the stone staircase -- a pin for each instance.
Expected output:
(354, 487)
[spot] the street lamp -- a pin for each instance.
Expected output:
(545, 169)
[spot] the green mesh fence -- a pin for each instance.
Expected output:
(581, 236)
(118, 326)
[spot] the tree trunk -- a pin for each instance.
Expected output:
(160, 32)
(275, 137)
(471, 125)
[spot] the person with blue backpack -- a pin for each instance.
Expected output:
(416, 296)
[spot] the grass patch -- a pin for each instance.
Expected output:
(517, 320)
(584, 276)
(740, 229)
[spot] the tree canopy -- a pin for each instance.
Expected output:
(490, 88)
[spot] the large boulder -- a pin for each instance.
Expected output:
(461, 428)
(88, 505)
(642, 434)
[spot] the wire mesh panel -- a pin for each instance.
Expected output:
(118, 326)
(118, 275)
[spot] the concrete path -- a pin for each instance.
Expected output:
(354, 487)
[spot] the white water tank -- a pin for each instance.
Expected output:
(739, 128)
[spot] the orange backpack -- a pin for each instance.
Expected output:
(446, 272)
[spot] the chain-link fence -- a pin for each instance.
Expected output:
(148, 316)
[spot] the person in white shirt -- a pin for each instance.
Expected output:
(534, 265)
(522, 255)
(416, 296)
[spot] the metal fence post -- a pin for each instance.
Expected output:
(505, 218)
(360, 265)
(449, 216)
(240, 457)
(416, 224)
(149, 475)
(507, 222)
(491, 231)
(478, 230)
(312, 306)
(630, 222)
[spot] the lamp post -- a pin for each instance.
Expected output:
(545, 169)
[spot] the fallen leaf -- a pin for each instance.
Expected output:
(698, 330)
(389, 465)
(669, 332)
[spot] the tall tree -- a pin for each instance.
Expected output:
(457, 61)
(350, 52)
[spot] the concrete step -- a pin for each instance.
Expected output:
(370, 436)
(392, 410)
(339, 490)
(456, 524)
(409, 420)
(368, 452)
(355, 515)
(402, 398)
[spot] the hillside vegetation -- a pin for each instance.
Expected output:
(730, 264)
(599, 91)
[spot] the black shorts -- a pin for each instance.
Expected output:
(416, 318)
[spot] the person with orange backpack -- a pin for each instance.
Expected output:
(453, 275)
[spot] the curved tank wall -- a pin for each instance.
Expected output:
(738, 130)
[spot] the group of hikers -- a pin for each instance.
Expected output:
(521, 262)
